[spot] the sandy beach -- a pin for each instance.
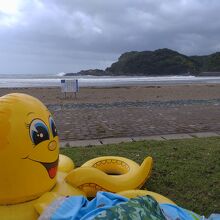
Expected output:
(131, 111)
(53, 95)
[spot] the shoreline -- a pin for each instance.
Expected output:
(150, 84)
(139, 84)
(112, 82)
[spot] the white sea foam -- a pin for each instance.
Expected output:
(61, 74)
(99, 81)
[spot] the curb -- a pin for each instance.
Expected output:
(98, 142)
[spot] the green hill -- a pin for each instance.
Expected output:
(160, 62)
(163, 62)
(210, 63)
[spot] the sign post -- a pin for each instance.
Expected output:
(69, 86)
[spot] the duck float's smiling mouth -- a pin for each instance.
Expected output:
(50, 167)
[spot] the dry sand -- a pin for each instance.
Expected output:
(120, 94)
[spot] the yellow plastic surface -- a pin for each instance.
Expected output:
(42, 203)
(65, 164)
(29, 155)
(63, 188)
(23, 164)
(90, 179)
(112, 164)
(22, 211)
(135, 193)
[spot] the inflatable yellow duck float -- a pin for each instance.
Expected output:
(31, 166)
(29, 155)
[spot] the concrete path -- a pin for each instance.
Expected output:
(85, 143)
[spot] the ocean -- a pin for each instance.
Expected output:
(53, 80)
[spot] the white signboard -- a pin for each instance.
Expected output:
(69, 85)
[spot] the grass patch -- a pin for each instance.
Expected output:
(186, 171)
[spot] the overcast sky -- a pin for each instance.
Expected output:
(52, 36)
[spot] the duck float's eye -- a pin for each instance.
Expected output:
(38, 131)
(53, 126)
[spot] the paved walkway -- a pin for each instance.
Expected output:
(90, 121)
(130, 104)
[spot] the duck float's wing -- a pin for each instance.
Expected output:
(90, 180)
(65, 164)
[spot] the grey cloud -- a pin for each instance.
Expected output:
(53, 35)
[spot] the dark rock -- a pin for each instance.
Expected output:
(159, 62)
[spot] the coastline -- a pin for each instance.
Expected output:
(106, 82)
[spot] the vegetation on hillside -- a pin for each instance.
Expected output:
(159, 62)
(164, 62)
(209, 63)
